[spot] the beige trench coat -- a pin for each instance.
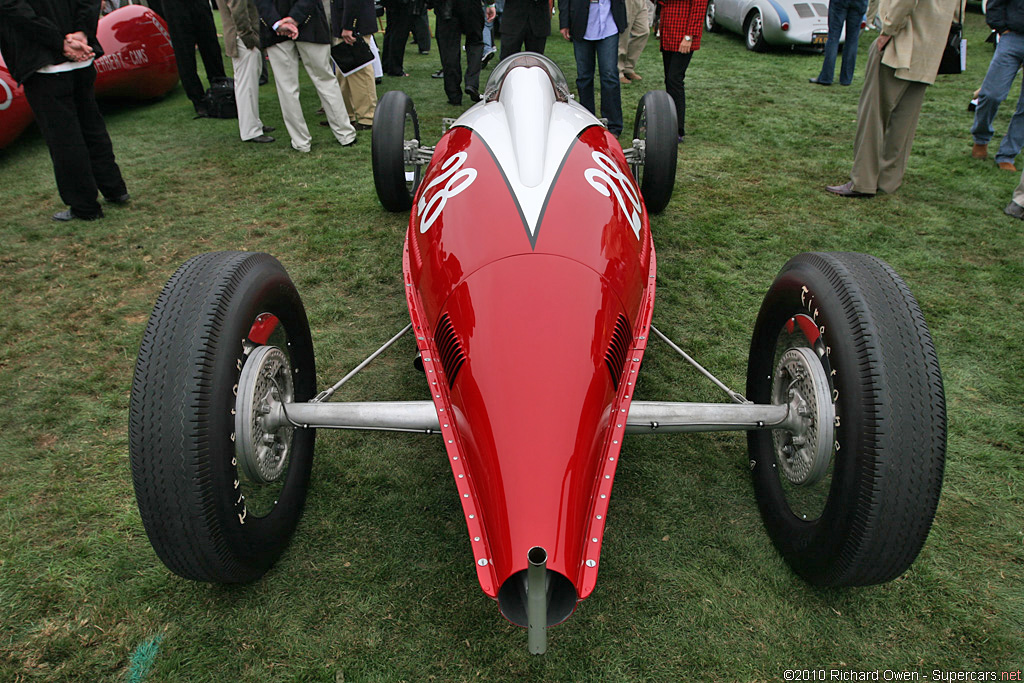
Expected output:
(919, 29)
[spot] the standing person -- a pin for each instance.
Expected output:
(242, 44)
(840, 12)
(357, 20)
(680, 26)
(1006, 17)
(633, 40)
(457, 18)
(525, 24)
(299, 30)
(594, 28)
(190, 23)
(49, 48)
(902, 63)
(396, 33)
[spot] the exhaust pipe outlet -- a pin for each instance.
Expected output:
(537, 600)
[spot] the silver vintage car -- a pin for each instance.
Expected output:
(796, 23)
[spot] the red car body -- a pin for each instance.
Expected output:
(138, 63)
(531, 340)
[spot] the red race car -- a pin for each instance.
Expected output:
(530, 278)
(138, 63)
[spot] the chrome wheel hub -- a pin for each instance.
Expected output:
(262, 446)
(803, 447)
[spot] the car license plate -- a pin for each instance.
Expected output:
(818, 39)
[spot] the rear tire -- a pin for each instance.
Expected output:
(205, 519)
(657, 126)
(867, 519)
(709, 18)
(753, 32)
(394, 124)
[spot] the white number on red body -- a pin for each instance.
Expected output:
(434, 197)
(608, 179)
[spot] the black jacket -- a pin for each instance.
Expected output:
(308, 14)
(573, 15)
(1003, 15)
(521, 14)
(32, 32)
(358, 16)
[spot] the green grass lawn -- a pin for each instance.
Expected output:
(379, 582)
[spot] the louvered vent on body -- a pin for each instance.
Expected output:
(615, 357)
(449, 348)
(803, 10)
(822, 9)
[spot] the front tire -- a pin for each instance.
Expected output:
(709, 18)
(206, 519)
(865, 520)
(394, 124)
(656, 125)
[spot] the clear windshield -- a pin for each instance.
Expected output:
(558, 81)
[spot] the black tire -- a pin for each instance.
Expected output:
(206, 520)
(709, 18)
(657, 126)
(867, 520)
(753, 33)
(394, 123)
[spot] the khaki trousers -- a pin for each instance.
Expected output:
(246, 68)
(284, 60)
(886, 122)
(633, 40)
(360, 92)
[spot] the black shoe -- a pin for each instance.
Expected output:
(846, 190)
(424, 52)
(378, 80)
(474, 94)
(454, 103)
(438, 74)
(261, 138)
(362, 126)
(349, 144)
(268, 129)
(1014, 209)
(487, 58)
(815, 81)
(121, 199)
(67, 215)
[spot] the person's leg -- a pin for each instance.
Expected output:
(512, 42)
(316, 57)
(1018, 192)
(535, 43)
(471, 19)
(836, 18)
(421, 31)
(854, 13)
(284, 60)
(1013, 141)
(449, 50)
(183, 41)
(908, 96)
(360, 93)
(675, 64)
(633, 40)
(246, 67)
(51, 97)
(1001, 71)
(607, 50)
(206, 40)
(584, 51)
(105, 171)
(872, 114)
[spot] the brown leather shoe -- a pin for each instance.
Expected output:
(634, 76)
(979, 151)
(623, 79)
(846, 190)
(1007, 166)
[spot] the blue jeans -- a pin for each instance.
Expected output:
(1008, 58)
(840, 12)
(606, 52)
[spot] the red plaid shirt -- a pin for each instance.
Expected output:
(681, 18)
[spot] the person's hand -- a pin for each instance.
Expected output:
(288, 28)
(882, 41)
(565, 34)
(489, 13)
(348, 37)
(686, 45)
(76, 47)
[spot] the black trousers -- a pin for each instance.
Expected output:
(83, 159)
(421, 31)
(676, 64)
(190, 23)
(400, 21)
(466, 18)
(513, 43)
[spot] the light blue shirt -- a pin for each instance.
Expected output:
(600, 23)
